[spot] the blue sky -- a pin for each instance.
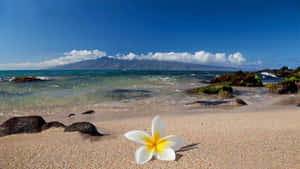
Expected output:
(263, 33)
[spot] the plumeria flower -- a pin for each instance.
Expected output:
(163, 148)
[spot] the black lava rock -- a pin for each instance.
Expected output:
(52, 124)
(240, 102)
(70, 115)
(88, 112)
(25, 124)
(83, 127)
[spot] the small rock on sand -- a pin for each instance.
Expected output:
(235, 102)
(70, 115)
(88, 112)
(83, 127)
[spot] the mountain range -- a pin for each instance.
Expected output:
(106, 63)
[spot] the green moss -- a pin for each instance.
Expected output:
(207, 90)
(294, 78)
(211, 89)
(257, 79)
(225, 92)
(242, 82)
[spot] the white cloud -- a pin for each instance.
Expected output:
(69, 57)
(74, 56)
(236, 58)
(200, 57)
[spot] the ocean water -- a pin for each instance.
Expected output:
(88, 87)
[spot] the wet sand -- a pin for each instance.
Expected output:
(242, 137)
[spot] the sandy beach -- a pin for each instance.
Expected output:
(236, 138)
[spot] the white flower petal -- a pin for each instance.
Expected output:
(158, 127)
(175, 142)
(142, 155)
(137, 136)
(168, 154)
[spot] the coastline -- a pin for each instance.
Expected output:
(262, 131)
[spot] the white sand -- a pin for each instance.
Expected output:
(261, 139)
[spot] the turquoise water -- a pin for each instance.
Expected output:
(90, 86)
(85, 87)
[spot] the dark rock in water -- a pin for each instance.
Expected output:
(285, 87)
(240, 102)
(88, 112)
(208, 103)
(224, 91)
(83, 127)
(298, 85)
(70, 115)
(121, 94)
(25, 124)
(26, 79)
(239, 79)
(53, 124)
(285, 72)
(236, 102)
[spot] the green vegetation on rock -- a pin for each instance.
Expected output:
(225, 92)
(293, 78)
(287, 86)
(239, 79)
(219, 89)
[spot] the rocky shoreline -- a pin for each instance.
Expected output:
(221, 86)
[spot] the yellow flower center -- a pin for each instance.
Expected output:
(155, 143)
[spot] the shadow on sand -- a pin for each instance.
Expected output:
(186, 148)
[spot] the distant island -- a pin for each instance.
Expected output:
(106, 63)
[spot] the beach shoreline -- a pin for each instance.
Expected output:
(233, 138)
(251, 128)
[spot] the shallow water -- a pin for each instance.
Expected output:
(89, 87)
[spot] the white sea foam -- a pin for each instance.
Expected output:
(268, 74)
(43, 78)
(11, 79)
